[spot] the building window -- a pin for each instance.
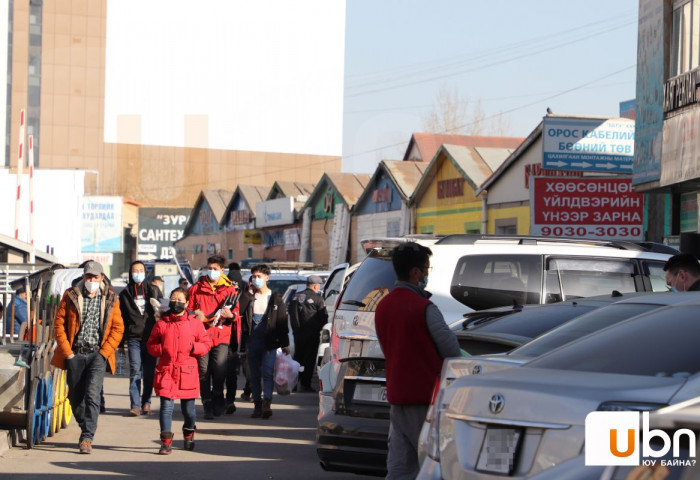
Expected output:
(685, 48)
(230, 254)
(506, 226)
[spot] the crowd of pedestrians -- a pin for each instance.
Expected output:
(194, 348)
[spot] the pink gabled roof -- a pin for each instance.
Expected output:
(429, 143)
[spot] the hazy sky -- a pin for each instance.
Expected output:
(516, 56)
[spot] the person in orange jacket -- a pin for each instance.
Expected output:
(88, 328)
(207, 298)
(178, 340)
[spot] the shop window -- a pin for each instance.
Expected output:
(685, 47)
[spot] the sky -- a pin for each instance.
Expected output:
(517, 57)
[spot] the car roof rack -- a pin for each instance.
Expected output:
(472, 238)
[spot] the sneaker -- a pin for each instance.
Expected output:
(135, 412)
(230, 408)
(245, 396)
(146, 409)
(85, 447)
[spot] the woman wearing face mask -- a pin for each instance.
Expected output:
(139, 319)
(178, 340)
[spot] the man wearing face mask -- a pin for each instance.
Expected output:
(415, 339)
(682, 273)
(139, 319)
(264, 330)
(206, 299)
(88, 328)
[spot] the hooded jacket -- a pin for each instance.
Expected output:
(208, 300)
(178, 341)
(67, 324)
(136, 324)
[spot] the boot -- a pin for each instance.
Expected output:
(208, 410)
(166, 445)
(266, 410)
(257, 410)
(188, 433)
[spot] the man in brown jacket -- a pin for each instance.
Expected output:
(88, 328)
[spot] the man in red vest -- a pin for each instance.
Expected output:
(415, 339)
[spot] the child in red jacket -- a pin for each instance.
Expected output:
(178, 339)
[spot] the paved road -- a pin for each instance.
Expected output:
(233, 446)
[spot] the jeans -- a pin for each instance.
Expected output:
(212, 374)
(262, 366)
(166, 413)
(84, 377)
(141, 366)
(233, 367)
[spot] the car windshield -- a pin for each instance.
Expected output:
(369, 284)
(582, 326)
(661, 343)
(281, 285)
(534, 321)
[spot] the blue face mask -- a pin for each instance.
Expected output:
(673, 289)
(214, 275)
(138, 277)
(423, 283)
(258, 283)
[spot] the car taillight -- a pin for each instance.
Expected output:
(629, 406)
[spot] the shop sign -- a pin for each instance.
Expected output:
(593, 145)
(599, 208)
(252, 236)
(271, 213)
(159, 229)
(681, 91)
(453, 187)
(102, 225)
(536, 170)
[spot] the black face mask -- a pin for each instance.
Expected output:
(176, 307)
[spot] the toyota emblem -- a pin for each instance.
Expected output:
(497, 403)
(476, 370)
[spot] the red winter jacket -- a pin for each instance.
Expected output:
(178, 341)
(207, 299)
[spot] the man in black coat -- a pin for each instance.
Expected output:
(264, 322)
(139, 318)
(308, 315)
(683, 273)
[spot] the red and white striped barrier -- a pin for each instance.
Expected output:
(20, 166)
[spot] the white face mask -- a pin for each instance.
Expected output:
(214, 275)
(92, 287)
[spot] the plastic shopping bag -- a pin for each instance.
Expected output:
(286, 373)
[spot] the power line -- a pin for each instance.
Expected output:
(508, 97)
(485, 66)
(564, 92)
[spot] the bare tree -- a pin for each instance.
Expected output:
(454, 114)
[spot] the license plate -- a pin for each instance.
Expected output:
(367, 392)
(499, 450)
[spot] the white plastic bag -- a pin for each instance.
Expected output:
(286, 373)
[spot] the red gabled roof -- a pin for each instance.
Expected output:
(429, 143)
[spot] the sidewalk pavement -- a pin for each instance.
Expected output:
(232, 445)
